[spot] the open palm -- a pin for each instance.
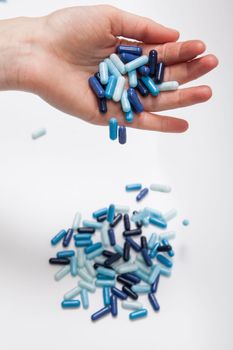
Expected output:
(77, 39)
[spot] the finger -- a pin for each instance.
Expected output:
(141, 28)
(177, 99)
(185, 72)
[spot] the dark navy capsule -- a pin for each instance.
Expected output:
(136, 247)
(146, 257)
(134, 101)
(67, 238)
(129, 292)
(144, 242)
(127, 57)
(159, 73)
(59, 261)
(142, 194)
(164, 248)
(96, 87)
(96, 265)
(59, 236)
(126, 251)
(86, 230)
(124, 281)
(112, 259)
(101, 313)
(142, 89)
(111, 236)
(154, 285)
(97, 75)
(116, 220)
(153, 57)
(102, 102)
(153, 301)
(113, 301)
(107, 253)
(135, 50)
(131, 277)
(144, 70)
(134, 232)
(127, 222)
(119, 294)
(102, 218)
(122, 138)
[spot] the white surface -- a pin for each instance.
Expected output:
(76, 168)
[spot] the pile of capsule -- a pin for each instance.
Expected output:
(145, 75)
(122, 271)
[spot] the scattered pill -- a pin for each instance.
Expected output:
(122, 135)
(153, 55)
(38, 133)
(133, 187)
(142, 194)
(185, 222)
(138, 314)
(70, 304)
(160, 188)
(96, 87)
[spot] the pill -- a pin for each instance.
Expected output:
(124, 268)
(102, 103)
(164, 261)
(125, 105)
(86, 230)
(118, 293)
(102, 218)
(76, 221)
(141, 288)
(154, 286)
(160, 188)
(127, 290)
(144, 70)
(153, 56)
(103, 70)
(111, 235)
(111, 213)
(38, 133)
(129, 116)
(112, 69)
(133, 80)
(80, 257)
(72, 293)
(83, 243)
(120, 85)
(122, 135)
(146, 257)
(138, 314)
(112, 259)
(83, 236)
(144, 242)
(134, 101)
(165, 272)
(185, 222)
(171, 214)
(167, 235)
(158, 222)
(136, 247)
(159, 73)
(95, 253)
(59, 261)
(131, 305)
(92, 247)
(106, 272)
(135, 50)
(70, 304)
(65, 254)
(67, 238)
(152, 240)
(164, 248)
(84, 298)
(110, 88)
(127, 222)
(142, 194)
(170, 251)
(134, 232)
(56, 239)
(86, 285)
(121, 208)
(62, 273)
(118, 63)
(101, 313)
(131, 277)
(96, 87)
(142, 89)
(144, 277)
(126, 252)
(113, 128)
(154, 274)
(105, 283)
(121, 279)
(127, 57)
(73, 266)
(90, 269)
(116, 220)
(138, 62)
(85, 276)
(104, 235)
(168, 86)
(93, 224)
(107, 253)
(153, 301)
(149, 83)
(114, 309)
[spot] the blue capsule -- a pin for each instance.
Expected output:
(134, 245)
(65, 254)
(133, 80)
(159, 73)
(83, 243)
(119, 294)
(106, 271)
(170, 252)
(164, 261)
(185, 222)
(131, 277)
(129, 116)
(106, 296)
(84, 298)
(134, 100)
(92, 248)
(102, 102)
(111, 236)
(127, 57)
(99, 212)
(56, 239)
(149, 83)
(101, 313)
(138, 314)
(114, 308)
(144, 70)
(66, 304)
(154, 285)
(133, 187)
(158, 222)
(142, 89)
(135, 50)
(111, 213)
(146, 257)
(142, 194)
(82, 237)
(110, 88)
(153, 56)
(67, 238)
(122, 135)
(154, 251)
(96, 87)
(153, 301)
(113, 126)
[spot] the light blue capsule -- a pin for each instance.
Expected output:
(168, 86)
(133, 80)
(94, 224)
(165, 272)
(84, 298)
(152, 212)
(76, 221)
(154, 274)
(85, 276)
(144, 277)
(129, 116)
(72, 293)
(106, 272)
(171, 214)
(89, 286)
(62, 273)
(131, 305)
(118, 249)
(118, 63)
(73, 266)
(106, 296)
(163, 260)
(61, 234)
(141, 288)
(133, 187)
(122, 208)
(126, 268)
(138, 62)
(105, 283)
(99, 212)
(112, 68)
(113, 128)
(92, 248)
(110, 88)
(138, 314)
(80, 257)
(125, 104)
(149, 83)
(185, 222)
(83, 243)
(70, 304)
(90, 269)
(103, 70)
(160, 188)
(94, 254)
(104, 234)
(38, 133)
(152, 240)
(82, 236)
(120, 85)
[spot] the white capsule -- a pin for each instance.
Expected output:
(62, 273)
(131, 305)
(125, 268)
(72, 293)
(170, 214)
(125, 104)
(133, 80)
(84, 275)
(89, 286)
(160, 188)
(119, 89)
(38, 133)
(168, 86)
(118, 63)
(90, 269)
(80, 257)
(76, 221)
(103, 70)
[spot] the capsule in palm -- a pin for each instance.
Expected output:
(138, 62)
(153, 56)
(96, 87)
(134, 101)
(125, 105)
(149, 83)
(119, 89)
(110, 88)
(118, 63)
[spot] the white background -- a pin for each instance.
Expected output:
(75, 167)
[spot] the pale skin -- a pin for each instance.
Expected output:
(53, 57)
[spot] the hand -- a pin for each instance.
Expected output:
(69, 44)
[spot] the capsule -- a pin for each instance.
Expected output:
(80, 257)
(154, 286)
(142, 89)
(141, 288)
(84, 298)
(146, 257)
(167, 235)
(138, 62)
(127, 290)
(76, 221)
(118, 293)
(114, 308)
(125, 105)
(158, 222)
(126, 253)
(134, 50)
(136, 247)
(38, 133)
(81, 237)
(160, 188)
(124, 268)
(72, 293)
(121, 208)
(93, 224)
(129, 116)
(144, 70)
(94, 254)
(101, 313)
(104, 235)
(67, 238)
(144, 242)
(102, 218)
(127, 57)
(93, 247)
(107, 253)
(131, 277)
(153, 301)
(85, 276)
(120, 85)
(59, 261)
(165, 272)
(86, 285)
(84, 230)
(112, 259)
(66, 304)
(153, 57)
(152, 240)
(110, 88)
(65, 254)
(106, 272)
(164, 248)
(131, 305)
(102, 102)
(90, 269)
(168, 86)
(111, 213)
(83, 243)
(127, 222)
(144, 277)
(96, 87)
(121, 279)
(134, 232)
(122, 135)
(118, 63)
(149, 83)
(164, 261)
(113, 127)
(133, 80)
(105, 283)
(134, 100)
(112, 69)
(133, 187)
(185, 222)
(116, 220)
(103, 70)
(111, 235)
(73, 266)
(159, 73)
(142, 194)
(106, 296)
(154, 274)
(56, 239)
